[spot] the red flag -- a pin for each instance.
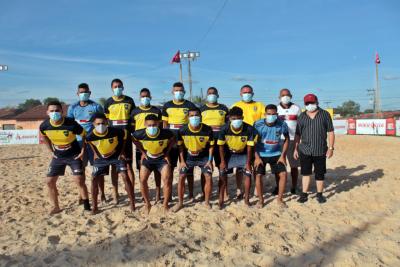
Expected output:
(377, 60)
(176, 58)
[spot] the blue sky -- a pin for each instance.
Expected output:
(325, 47)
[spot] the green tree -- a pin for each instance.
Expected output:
(50, 99)
(369, 110)
(28, 104)
(198, 100)
(349, 108)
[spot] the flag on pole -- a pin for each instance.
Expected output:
(377, 60)
(176, 58)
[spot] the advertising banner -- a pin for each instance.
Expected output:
(340, 126)
(19, 137)
(374, 127)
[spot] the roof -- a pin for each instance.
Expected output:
(36, 113)
(7, 113)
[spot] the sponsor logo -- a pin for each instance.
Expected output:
(126, 106)
(66, 133)
(221, 112)
(161, 143)
(201, 139)
(185, 111)
(243, 139)
(111, 140)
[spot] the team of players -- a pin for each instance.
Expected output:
(244, 138)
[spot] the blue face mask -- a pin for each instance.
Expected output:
(179, 95)
(237, 123)
(55, 116)
(194, 121)
(145, 101)
(271, 118)
(84, 96)
(247, 97)
(212, 98)
(152, 130)
(118, 91)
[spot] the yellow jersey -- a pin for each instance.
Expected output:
(252, 111)
(154, 145)
(196, 142)
(214, 116)
(139, 114)
(176, 113)
(109, 144)
(118, 111)
(237, 141)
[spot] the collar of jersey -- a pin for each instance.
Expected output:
(177, 103)
(289, 105)
(194, 131)
(57, 125)
(143, 108)
(100, 135)
(212, 106)
(236, 132)
(158, 133)
(115, 98)
(252, 102)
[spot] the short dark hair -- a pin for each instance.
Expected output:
(194, 109)
(143, 90)
(84, 86)
(236, 111)
(151, 117)
(54, 103)
(178, 84)
(117, 81)
(212, 88)
(98, 115)
(246, 85)
(271, 106)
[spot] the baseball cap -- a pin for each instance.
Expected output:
(310, 98)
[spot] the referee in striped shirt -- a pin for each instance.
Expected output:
(314, 126)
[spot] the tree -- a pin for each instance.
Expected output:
(50, 99)
(349, 108)
(369, 110)
(198, 100)
(28, 104)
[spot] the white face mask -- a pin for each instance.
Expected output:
(285, 99)
(101, 128)
(311, 107)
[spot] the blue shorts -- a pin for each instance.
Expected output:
(57, 166)
(237, 161)
(154, 164)
(88, 156)
(192, 162)
(102, 166)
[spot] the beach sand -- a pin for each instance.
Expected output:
(358, 226)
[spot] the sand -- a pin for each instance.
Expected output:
(358, 226)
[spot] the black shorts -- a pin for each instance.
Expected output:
(276, 167)
(137, 158)
(216, 156)
(192, 162)
(128, 151)
(154, 164)
(57, 166)
(102, 166)
(88, 156)
(307, 162)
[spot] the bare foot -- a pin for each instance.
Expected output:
(281, 204)
(259, 205)
(103, 199)
(166, 209)
(239, 194)
(226, 196)
(247, 203)
(221, 205)
(95, 211)
(207, 205)
(157, 199)
(132, 208)
(148, 208)
(178, 207)
(192, 200)
(55, 211)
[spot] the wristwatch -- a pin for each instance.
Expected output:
(331, 148)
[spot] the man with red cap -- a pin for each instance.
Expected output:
(313, 128)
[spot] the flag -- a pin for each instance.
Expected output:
(176, 58)
(377, 60)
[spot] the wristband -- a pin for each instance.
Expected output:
(210, 158)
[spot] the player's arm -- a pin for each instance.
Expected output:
(138, 144)
(181, 147)
(80, 131)
(297, 141)
(48, 144)
(252, 139)
(210, 151)
(164, 117)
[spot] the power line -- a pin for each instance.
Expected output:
(212, 24)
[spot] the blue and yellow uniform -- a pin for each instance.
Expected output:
(65, 145)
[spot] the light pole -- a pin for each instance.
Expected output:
(189, 56)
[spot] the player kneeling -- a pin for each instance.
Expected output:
(108, 145)
(154, 144)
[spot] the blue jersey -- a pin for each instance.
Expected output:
(269, 143)
(83, 115)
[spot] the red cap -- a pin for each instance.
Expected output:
(310, 98)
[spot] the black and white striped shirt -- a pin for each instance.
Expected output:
(313, 132)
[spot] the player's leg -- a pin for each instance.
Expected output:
(121, 168)
(247, 186)
(51, 182)
(166, 175)
(306, 163)
(95, 192)
(157, 178)
(320, 170)
(207, 188)
(144, 187)
(222, 184)
(239, 183)
(114, 182)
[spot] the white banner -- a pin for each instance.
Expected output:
(398, 127)
(375, 127)
(340, 126)
(19, 137)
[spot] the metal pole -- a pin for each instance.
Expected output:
(180, 72)
(377, 93)
(190, 80)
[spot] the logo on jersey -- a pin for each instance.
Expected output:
(243, 139)
(111, 140)
(221, 112)
(126, 106)
(66, 133)
(161, 143)
(201, 139)
(185, 111)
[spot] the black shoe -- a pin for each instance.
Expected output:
(276, 191)
(86, 204)
(321, 199)
(303, 198)
(293, 191)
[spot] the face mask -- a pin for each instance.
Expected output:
(212, 98)
(152, 130)
(101, 128)
(118, 91)
(55, 116)
(145, 101)
(84, 96)
(285, 99)
(311, 107)
(179, 95)
(194, 121)
(247, 97)
(271, 118)
(237, 123)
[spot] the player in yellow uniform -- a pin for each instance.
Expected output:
(118, 110)
(59, 135)
(197, 139)
(138, 117)
(215, 115)
(154, 143)
(252, 110)
(108, 145)
(236, 142)
(175, 116)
